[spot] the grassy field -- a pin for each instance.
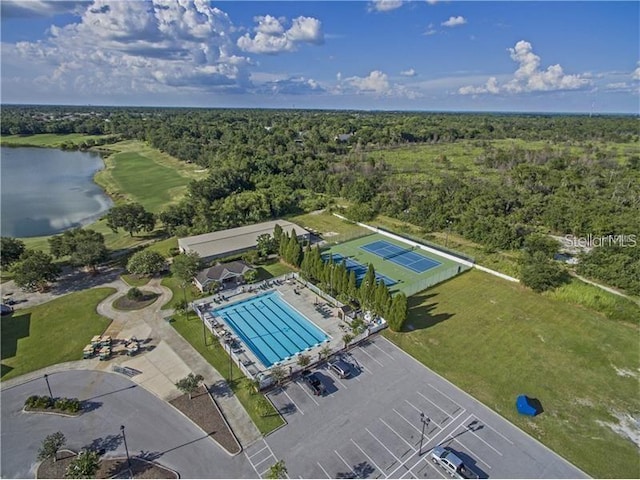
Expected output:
(406, 279)
(52, 333)
(47, 140)
(330, 227)
(496, 340)
(136, 172)
(272, 270)
(191, 330)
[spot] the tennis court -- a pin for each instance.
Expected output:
(406, 257)
(405, 269)
(359, 269)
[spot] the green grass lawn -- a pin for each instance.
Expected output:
(174, 285)
(272, 270)
(135, 280)
(496, 340)
(191, 330)
(52, 333)
(50, 140)
(406, 279)
(136, 172)
(330, 227)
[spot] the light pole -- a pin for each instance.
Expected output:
(204, 331)
(46, 379)
(424, 419)
(446, 238)
(230, 363)
(124, 439)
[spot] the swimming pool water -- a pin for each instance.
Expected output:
(270, 327)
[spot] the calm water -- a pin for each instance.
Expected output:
(45, 191)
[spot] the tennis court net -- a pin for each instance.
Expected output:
(397, 253)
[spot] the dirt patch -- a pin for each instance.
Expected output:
(126, 303)
(109, 467)
(204, 413)
(330, 234)
(624, 372)
(627, 427)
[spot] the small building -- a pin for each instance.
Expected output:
(226, 274)
(235, 241)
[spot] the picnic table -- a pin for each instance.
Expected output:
(96, 340)
(88, 351)
(105, 341)
(105, 353)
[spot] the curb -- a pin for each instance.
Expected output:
(215, 404)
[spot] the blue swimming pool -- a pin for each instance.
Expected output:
(270, 327)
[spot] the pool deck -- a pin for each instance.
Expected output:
(312, 307)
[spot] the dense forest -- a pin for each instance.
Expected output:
(565, 174)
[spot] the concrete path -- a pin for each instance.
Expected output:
(164, 359)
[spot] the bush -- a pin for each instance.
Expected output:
(39, 402)
(173, 251)
(71, 405)
(134, 294)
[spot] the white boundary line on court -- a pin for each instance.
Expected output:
(368, 457)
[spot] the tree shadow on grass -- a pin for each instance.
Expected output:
(421, 312)
(14, 327)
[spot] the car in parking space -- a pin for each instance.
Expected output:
(313, 382)
(341, 368)
(451, 463)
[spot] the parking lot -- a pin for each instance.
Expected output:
(383, 421)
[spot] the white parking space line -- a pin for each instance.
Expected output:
(368, 457)
(376, 346)
(383, 446)
(484, 424)
(336, 378)
(262, 461)
(307, 393)
(398, 435)
(368, 355)
(427, 462)
(420, 411)
(452, 421)
(411, 424)
(483, 441)
(448, 415)
(322, 468)
(298, 409)
(475, 455)
(253, 466)
(261, 450)
(345, 462)
(445, 395)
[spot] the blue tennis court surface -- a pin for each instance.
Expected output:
(360, 269)
(405, 257)
(270, 327)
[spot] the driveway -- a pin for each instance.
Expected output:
(153, 428)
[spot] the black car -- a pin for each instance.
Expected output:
(314, 382)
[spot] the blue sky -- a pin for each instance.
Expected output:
(387, 55)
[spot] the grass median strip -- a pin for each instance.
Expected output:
(191, 330)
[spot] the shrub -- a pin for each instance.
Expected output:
(71, 405)
(134, 294)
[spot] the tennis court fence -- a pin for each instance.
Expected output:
(440, 276)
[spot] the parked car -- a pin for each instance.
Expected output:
(314, 382)
(451, 463)
(341, 368)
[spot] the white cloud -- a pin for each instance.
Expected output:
(528, 77)
(376, 83)
(291, 86)
(430, 30)
(384, 5)
(131, 47)
(636, 73)
(408, 73)
(272, 38)
(454, 21)
(39, 8)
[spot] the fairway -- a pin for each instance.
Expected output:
(52, 333)
(406, 280)
(496, 340)
(49, 140)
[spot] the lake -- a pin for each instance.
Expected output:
(46, 191)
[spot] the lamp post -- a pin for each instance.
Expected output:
(230, 363)
(204, 331)
(46, 379)
(446, 238)
(424, 419)
(124, 439)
